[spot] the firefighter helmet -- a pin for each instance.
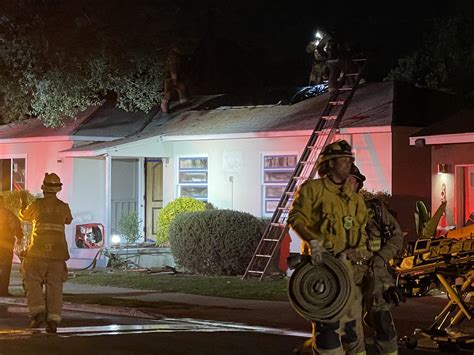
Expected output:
(51, 183)
(337, 149)
(355, 172)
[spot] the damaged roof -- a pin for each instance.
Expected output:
(374, 104)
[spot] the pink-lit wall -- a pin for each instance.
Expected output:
(455, 156)
(373, 153)
(42, 157)
(410, 176)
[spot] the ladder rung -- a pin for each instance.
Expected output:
(336, 103)
(263, 256)
(359, 60)
(255, 272)
(351, 74)
(270, 240)
(345, 89)
(275, 224)
(329, 118)
(283, 208)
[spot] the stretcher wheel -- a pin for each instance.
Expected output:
(411, 342)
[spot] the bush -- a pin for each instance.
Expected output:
(215, 242)
(383, 196)
(171, 210)
(130, 227)
(12, 200)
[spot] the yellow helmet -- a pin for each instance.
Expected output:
(337, 149)
(51, 183)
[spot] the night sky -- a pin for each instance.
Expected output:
(272, 35)
(237, 44)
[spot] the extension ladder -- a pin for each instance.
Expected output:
(322, 135)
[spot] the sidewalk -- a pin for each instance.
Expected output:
(275, 314)
(416, 313)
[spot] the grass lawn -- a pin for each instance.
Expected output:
(231, 287)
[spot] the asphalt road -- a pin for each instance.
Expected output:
(95, 333)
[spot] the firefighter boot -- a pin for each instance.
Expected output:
(52, 326)
(37, 320)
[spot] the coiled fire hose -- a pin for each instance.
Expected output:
(323, 292)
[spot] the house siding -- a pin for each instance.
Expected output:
(410, 176)
(455, 156)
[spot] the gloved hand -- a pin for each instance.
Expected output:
(317, 250)
(394, 295)
(376, 261)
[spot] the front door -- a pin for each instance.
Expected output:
(154, 195)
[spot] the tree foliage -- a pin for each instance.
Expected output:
(445, 60)
(58, 57)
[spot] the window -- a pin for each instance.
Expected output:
(192, 178)
(277, 171)
(12, 172)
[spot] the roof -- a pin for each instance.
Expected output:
(371, 106)
(35, 127)
(379, 104)
(104, 122)
(457, 128)
(460, 122)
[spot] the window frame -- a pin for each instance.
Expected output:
(12, 157)
(265, 200)
(180, 170)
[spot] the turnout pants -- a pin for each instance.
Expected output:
(6, 257)
(347, 335)
(50, 273)
(379, 317)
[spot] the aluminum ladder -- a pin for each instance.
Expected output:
(326, 127)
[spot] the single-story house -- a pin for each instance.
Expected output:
(236, 157)
(451, 142)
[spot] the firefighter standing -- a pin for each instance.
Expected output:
(385, 239)
(329, 217)
(11, 229)
(45, 261)
(174, 82)
(318, 69)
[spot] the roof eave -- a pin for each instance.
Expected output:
(454, 138)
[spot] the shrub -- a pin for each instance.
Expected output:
(215, 242)
(12, 200)
(171, 210)
(383, 196)
(130, 227)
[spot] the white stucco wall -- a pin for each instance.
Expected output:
(87, 199)
(241, 159)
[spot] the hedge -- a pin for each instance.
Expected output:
(171, 210)
(215, 242)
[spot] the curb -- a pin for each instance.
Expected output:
(90, 308)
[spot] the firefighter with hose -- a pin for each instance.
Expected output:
(331, 220)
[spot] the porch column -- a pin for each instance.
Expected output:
(108, 199)
(141, 196)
